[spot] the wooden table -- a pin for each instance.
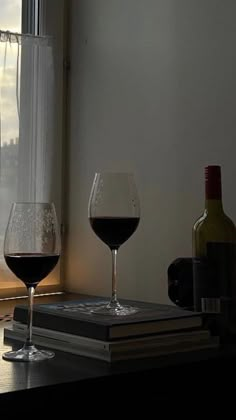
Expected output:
(72, 380)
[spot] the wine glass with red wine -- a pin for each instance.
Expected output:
(31, 250)
(114, 214)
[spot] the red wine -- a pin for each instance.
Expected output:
(31, 268)
(114, 231)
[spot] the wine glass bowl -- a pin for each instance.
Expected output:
(114, 214)
(31, 251)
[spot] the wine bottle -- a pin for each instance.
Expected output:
(214, 255)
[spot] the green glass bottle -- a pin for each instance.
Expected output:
(214, 254)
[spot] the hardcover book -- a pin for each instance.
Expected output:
(74, 317)
(111, 351)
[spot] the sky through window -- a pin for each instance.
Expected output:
(10, 15)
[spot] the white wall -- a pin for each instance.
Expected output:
(153, 91)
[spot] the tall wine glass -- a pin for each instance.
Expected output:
(114, 214)
(31, 251)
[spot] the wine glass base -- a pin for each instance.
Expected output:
(115, 310)
(29, 354)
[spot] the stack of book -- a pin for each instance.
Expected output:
(155, 329)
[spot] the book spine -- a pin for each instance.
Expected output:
(60, 346)
(112, 356)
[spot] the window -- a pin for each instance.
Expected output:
(11, 15)
(30, 141)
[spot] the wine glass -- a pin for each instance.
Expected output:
(31, 251)
(114, 214)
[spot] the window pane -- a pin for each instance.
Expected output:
(10, 15)
(15, 14)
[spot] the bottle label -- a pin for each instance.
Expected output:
(214, 279)
(206, 289)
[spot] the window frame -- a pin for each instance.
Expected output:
(30, 17)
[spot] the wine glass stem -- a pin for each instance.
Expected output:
(114, 277)
(29, 342)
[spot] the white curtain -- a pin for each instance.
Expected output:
(27, 140)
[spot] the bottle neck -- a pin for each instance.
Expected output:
(214, 206)
(213, 190)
